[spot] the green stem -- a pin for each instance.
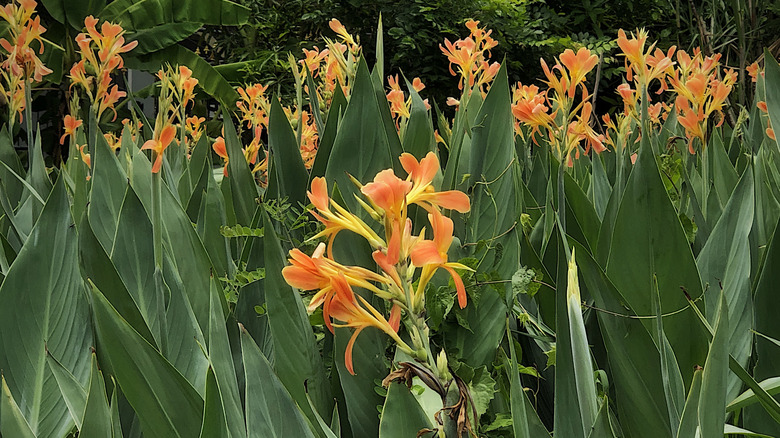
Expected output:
(159, 282)
(28, 117)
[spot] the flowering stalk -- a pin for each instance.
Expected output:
(397, 253)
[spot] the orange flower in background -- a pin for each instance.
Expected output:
(471, 56)
(71, 124)
(162, 138)
(341, 31)
(529, 107)
(85, 157)
(219, 148)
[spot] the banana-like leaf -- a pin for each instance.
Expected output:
(8, 156)
(402, 414)
(144, 14)
(271, 412)
(164, 401)
(648, 240)
(210, 217)
(209, 79)
(43, 305)
(73, 13)
(152, 39)
(747, 398)
(725, 262)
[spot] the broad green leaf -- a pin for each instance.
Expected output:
(214, 425)
(133, 256)
(634, 359)
(37, 177)
(12, 421)
(209, 79)
(291, 175)
(97, 414)
(674, 390)
(152, 39)
(43, 305)
(8, 156)
(492, 218)
(730, 429)
(337, 106)
(418, 136)
(271, 412)
(73, 13)
(768, 355)
(164, 401)
(297, 363)
(600, 189)
(361, 147)
(144, 14)
(73, 391)
(242, 185)
(649, 241)
(223, 371)
(725, 262)
(98, 268)
(109, 183)
(210, 218)
(516, 394)
(401, 415)
(712, 401)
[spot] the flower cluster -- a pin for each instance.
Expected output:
(20, 63)
(568, 126)
(398, 254)
(400, 105)
(93, 71)
(471, 56)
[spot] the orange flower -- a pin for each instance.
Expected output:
(432, 255)
(341, 31)
(356, 312)
(422, 193)
(71, 124)
(387, 193)
(162, 138)
(578, 66)
(338, 220)
(85, 156)
(219, 148)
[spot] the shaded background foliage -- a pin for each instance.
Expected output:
(525, 30)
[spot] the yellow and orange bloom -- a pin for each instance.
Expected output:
(423, 193)
(162, 138)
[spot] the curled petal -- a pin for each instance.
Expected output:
(319, 193)
(459, 286)
(426, 252)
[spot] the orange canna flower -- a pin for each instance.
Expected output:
(422, 193)
(432, 254)
(219, 148)
(341, 31)
(161, 140)
(338, 220)
(388, 193)
(71, 124)
(356, 312)
(579, 65)
(85, 156)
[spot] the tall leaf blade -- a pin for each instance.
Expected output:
(44, 306)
